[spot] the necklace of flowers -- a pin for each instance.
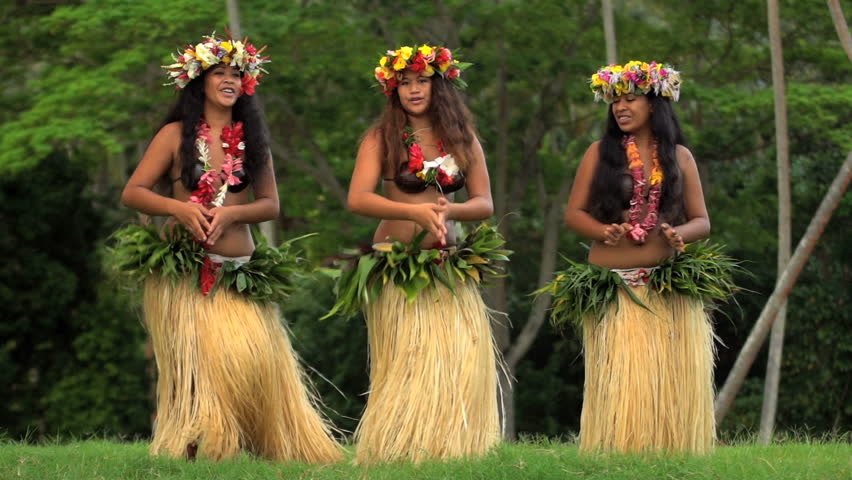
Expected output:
(234, 146)
(438, 172)
(205, 194)
(637, 202)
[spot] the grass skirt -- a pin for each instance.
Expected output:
(228, 378)
(649, 376)
(433, 376)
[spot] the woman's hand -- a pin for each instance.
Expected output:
(194, 217)
(220, 219)
(432, 217)
(674, 239)
(613, 233)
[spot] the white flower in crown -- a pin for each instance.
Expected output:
(203, 53)
(239, 55)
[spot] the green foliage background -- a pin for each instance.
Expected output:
(84, 97)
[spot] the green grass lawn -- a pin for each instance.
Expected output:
(101, 459)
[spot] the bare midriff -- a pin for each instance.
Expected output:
(405, 230)
(236, 240)
(630, 255)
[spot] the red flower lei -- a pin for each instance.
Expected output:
(637, 202)
(205, 194)
(234, 146)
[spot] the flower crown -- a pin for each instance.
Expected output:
(426, 60)
(635, 77)
(194, 59)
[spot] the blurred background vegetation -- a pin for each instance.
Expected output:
(83, 96)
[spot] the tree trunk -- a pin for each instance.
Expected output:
(609, 31)
(269, 228)
(776, 344)
(840, 26)
(496, 296)
(782, 289)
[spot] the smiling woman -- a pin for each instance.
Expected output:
(433, 366)
(227, 375)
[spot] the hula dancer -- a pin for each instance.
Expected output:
(227, 375)
(433, 364)
(648, 343)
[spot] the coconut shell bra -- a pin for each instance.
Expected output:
(410, 183)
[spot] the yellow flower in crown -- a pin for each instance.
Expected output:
(635, 77)
(405, 52)
(399, 63)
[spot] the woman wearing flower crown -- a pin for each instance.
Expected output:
(227, 375)
(433, 366)
(637, 195)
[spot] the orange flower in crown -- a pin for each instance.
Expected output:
(426, 60)
(635, 77)
(214, 50)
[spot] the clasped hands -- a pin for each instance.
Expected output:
(206, 225)
(432, 217)
(613, 234)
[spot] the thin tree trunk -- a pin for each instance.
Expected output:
(234, 18)
(609, 31)
(840, 26)
(269, 228)
(776, 344)
(496, 296)
(782, 289)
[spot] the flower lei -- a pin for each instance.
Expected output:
(240, 54)
(637, 204)
(438, 172)
(635, 77)
(234, 146)
(425, 60)
(205, 194)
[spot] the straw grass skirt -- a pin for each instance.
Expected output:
(433, 377)
(649, 376)
(228, 378)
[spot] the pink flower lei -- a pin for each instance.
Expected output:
(637, 203)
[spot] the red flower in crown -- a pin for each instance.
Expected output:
(249, 83)
(419, 64)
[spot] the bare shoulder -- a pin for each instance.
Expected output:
(170, 133)
(592, 153)
(684, 156)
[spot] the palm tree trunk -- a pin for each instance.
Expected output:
(776, 344)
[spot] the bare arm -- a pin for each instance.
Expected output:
(363, 200)
(697, 224)
(479, 205)
(138, 194)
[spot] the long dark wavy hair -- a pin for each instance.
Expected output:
(451, 122)
(189, 108)
(606, 190)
